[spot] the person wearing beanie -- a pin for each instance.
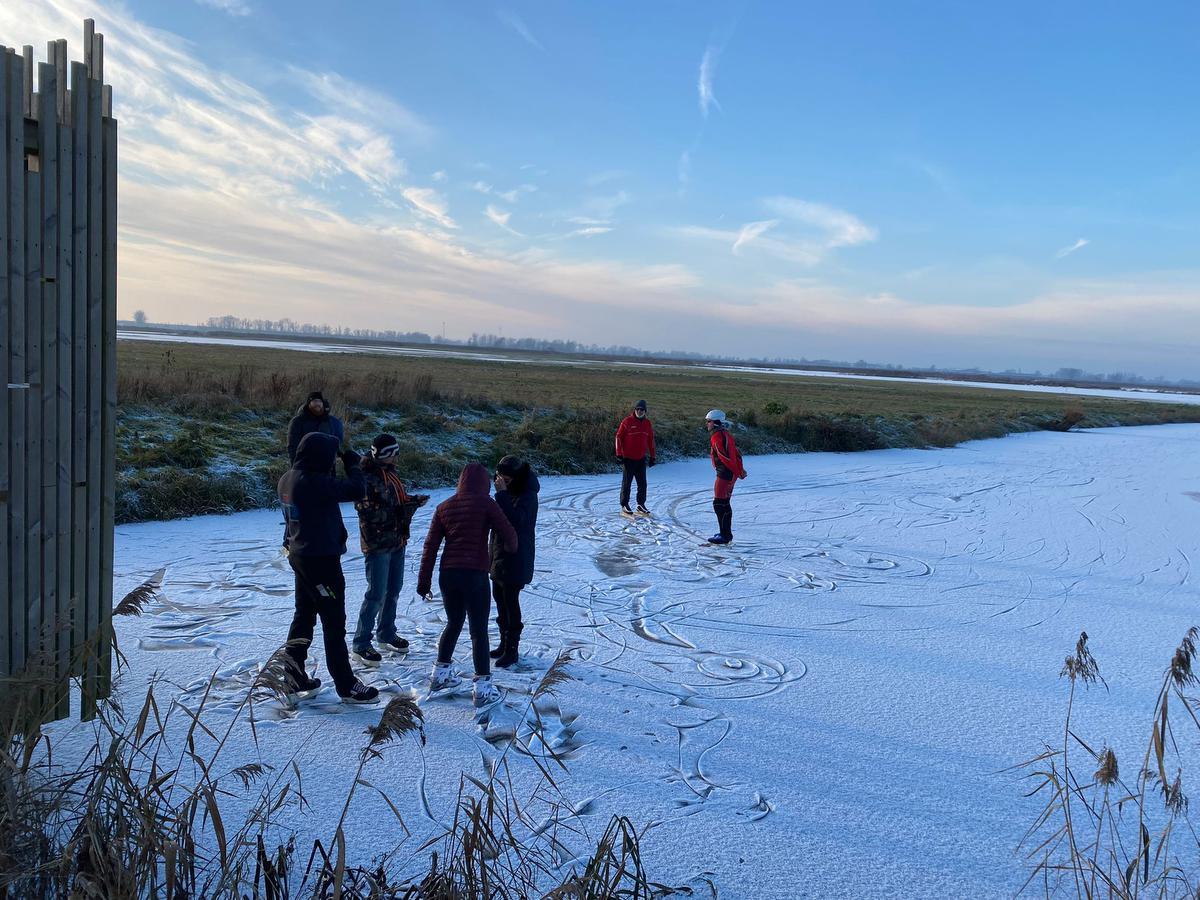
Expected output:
(635, 450)
(384, 515)
(727, 462)
(316, 540)
(464, 523)
(517, 494)
(313, 415)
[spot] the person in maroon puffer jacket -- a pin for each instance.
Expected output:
(465, 522)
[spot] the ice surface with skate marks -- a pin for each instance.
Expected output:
(832, 695)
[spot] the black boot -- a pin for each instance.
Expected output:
(499, 651)
(512, 638)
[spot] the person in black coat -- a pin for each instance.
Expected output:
(517, 493)
(313, 416)
(316, 540)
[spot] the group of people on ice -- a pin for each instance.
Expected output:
(486, 544)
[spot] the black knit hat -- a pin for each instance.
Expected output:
(510, 465)
(315, 395)
(641, 404)
(385, 446)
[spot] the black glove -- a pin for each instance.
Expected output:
(620, 458)
(652, 462)
(350, 459)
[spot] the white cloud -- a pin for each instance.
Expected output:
(1067, 251)
(751, 232)
(704, 84)
(588, 231)
(513, 21)
(440, 176)
(233, 7)
(430, 204)
(345, 98)
(842, 229)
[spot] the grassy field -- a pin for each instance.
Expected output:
(201, 428)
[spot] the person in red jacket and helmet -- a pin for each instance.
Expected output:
(728, 463)
(635, 449)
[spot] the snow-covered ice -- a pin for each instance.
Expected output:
(826, 708)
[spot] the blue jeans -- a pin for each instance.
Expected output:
(385, 578)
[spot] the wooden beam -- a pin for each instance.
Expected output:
(16, 359)
(65, 292)
(6, 591)
(95, 393)
(79, 368)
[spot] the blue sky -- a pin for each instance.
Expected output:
(1005, 185)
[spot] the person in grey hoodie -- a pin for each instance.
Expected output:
(517, 494)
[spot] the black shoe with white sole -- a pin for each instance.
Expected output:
(360, 693)
(368, 657)
(303, 684)
(395, 645)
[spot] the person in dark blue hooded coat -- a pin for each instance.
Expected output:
(517, 493)
(316, 540)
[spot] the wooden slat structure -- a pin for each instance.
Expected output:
(58, 285)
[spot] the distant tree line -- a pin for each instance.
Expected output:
(486, 340)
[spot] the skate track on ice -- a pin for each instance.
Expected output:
(823, 709)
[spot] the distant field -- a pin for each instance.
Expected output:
(201, 427)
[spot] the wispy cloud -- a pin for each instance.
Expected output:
(509, 196)
(802, 232)
(751, 232)
(588, 231)
(348, 99)
(430, 204)
(513, 21)
(704, 84)
(233, 7)
(1067, 251)
(500, 217)
(440, 176)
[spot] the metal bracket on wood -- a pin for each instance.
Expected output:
(19, 387)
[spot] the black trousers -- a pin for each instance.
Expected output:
(724, 511)
(508, 606)
(321, 592)
(465, 596)
(634, 468)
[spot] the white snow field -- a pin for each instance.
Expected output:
(824, 709)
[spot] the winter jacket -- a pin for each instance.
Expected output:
(386, 510)
(464, 522)
(520, 506)
(304, 422)
(725, 456)
(310, 497)
(635, 438)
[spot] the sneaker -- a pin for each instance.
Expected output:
(396, 645)
(368, 656)
(485, 692)
(443, 678)
(360, 693)
(719, 539)
(641, 510)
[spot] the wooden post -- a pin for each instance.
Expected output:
(79, 369)
(5, 366)
(32, 463)
(16, 358)
(95, 397)
(48, 129)
(109, 413)
(65, 291)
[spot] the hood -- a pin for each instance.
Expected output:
(316, 452)
(304, 411)
(524, 481)
(474, 479)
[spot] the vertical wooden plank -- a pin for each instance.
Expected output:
(27, 99)
(95, 399)
(16, 357)
(89, 42)
(6, 592)
(79, 369)
(63, 476)
(60, 65)
(48, 149)
(33, 419)
(109, 415)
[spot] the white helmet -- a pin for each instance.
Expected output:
(715, 415)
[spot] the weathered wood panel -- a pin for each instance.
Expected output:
(58, 254)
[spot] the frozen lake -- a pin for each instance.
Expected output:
(826, 708)
(317, 346)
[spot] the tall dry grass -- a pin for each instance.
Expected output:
(1100, 833)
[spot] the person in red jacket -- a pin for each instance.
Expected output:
(635, 449)
(728, 463)
(465, 522)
